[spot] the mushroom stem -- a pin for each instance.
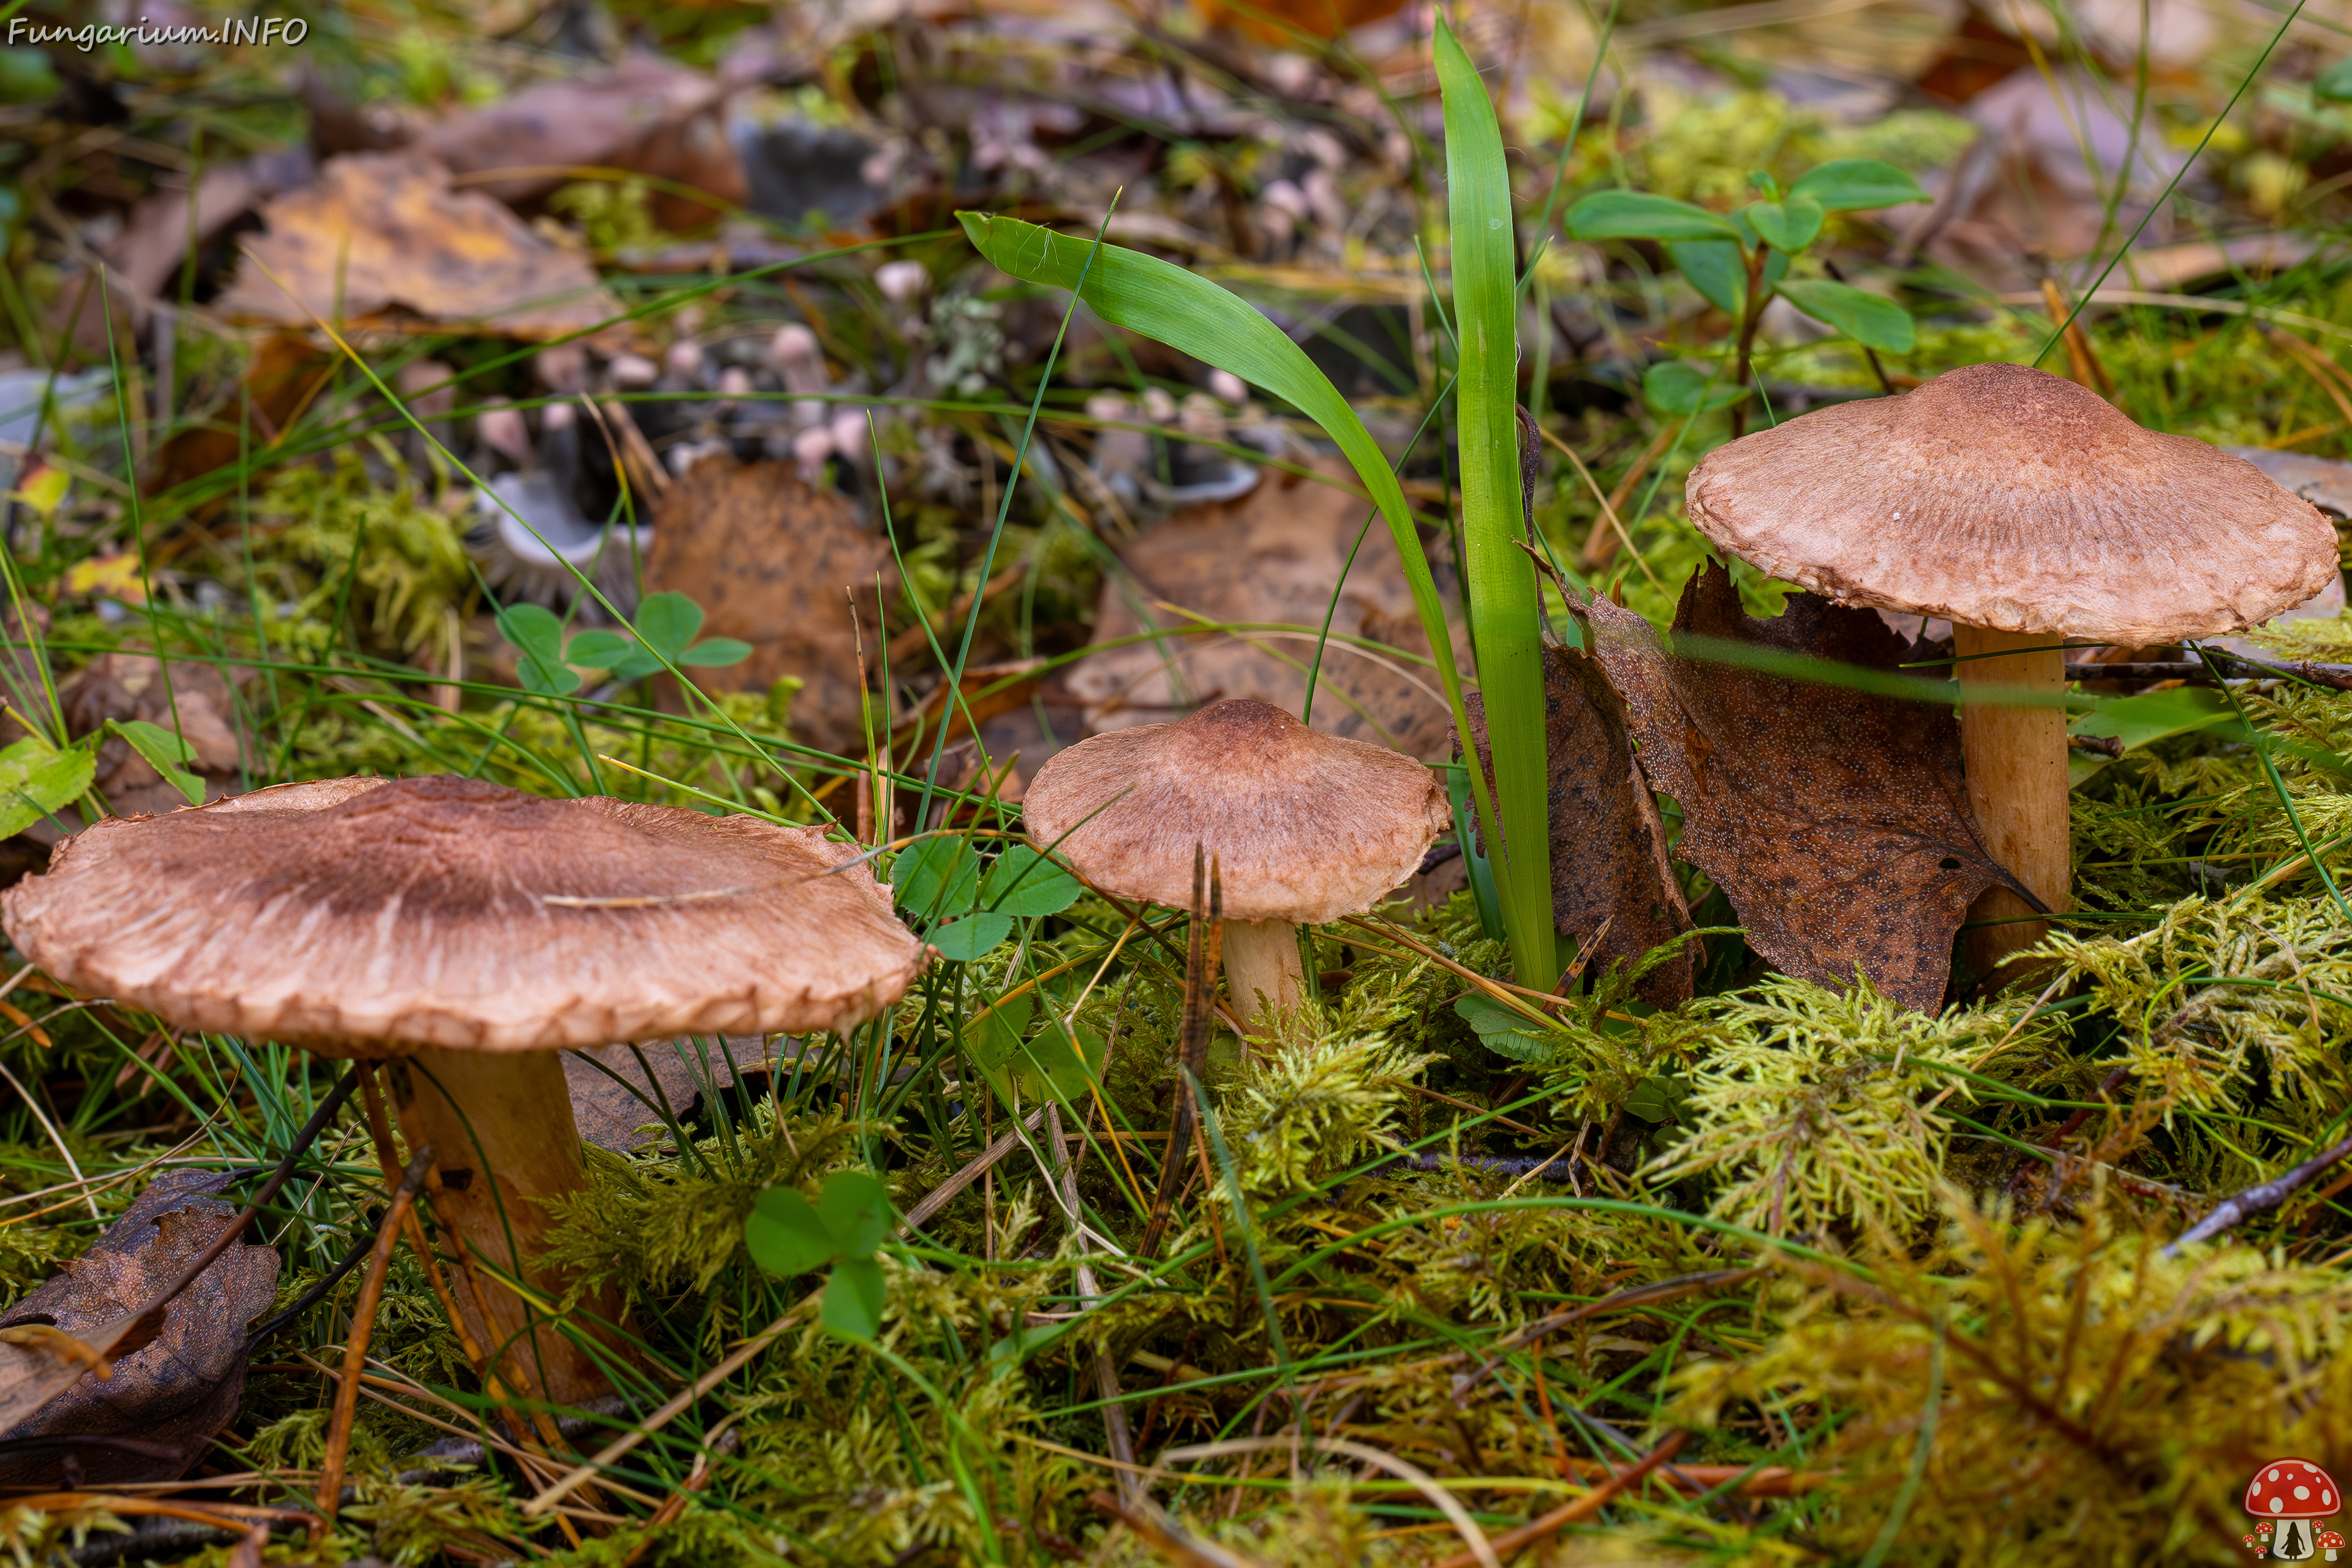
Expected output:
(504, 1143)
(2016, 763)
(1263, 974)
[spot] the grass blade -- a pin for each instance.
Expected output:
(1497, 580)
(1194, 316)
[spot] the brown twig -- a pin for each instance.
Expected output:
(2073, 1124)
(248, 1552)
(916, 638)
(1601, 544)
(347, 1395)
(1204, 947)
(1585, 1506)
(2258, 1199)
(1768, 1481)
(939, 1197)
(2085, 359)
(696, 1479)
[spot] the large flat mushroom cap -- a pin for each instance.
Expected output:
(1306, 827)
(354, 915)
(2003, 497)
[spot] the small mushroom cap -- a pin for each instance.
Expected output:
(2003, 496)
(355, 914)
(2293, 1488)
(1306, 827)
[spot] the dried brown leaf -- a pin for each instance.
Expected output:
(382, 240)
(647, 116)
(612, 1117)
(1608, 863)
(771, 560)
(198, 702)
(1834, 820)
(153, 1416)
(1273, 556)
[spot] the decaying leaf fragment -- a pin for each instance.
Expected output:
(620, 1114)
(155, 1412)
(383, 241)
(1266, 564)
(1608, 863)
(1834, 820)
(776, 563)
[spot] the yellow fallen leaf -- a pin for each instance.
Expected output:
(43, 489)
(108, 576)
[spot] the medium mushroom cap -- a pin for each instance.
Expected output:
(1306, 827)
(2003, 496)
(430, 912)
(2293, 1488)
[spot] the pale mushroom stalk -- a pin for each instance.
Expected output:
(2028, 511)
(1263, 971)
(2014, 756)
(1306, 827)
(469, 933)
(505, 1147)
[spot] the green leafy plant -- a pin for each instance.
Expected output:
(37, 778)
(1739, 262)
(1196, 317)
(941, 880)
(787, 1235)
(1057, 1059)
(666, 627)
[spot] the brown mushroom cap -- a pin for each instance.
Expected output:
(1306, 827)
(2003, 496)
(415, 912)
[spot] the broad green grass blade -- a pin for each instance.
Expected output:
(1164, 302)
(1497, 578)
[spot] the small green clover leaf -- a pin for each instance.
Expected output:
(787, 1235)
(1024, 882)
(936, 879)
(973, 936)
(1787, 226)
(665, 625)
(1850, 184)
(1659, 1097)
(1638, 214)
(1868, 320)
(538, 636)
(1679, 386)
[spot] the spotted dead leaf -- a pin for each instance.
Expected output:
(1266, 564)
(1834, 820)
(771, 560)
(1608, 863)
(155, 1413)
(383, 241)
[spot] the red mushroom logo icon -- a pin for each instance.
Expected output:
(2291, 1494)
(2330, 1543)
